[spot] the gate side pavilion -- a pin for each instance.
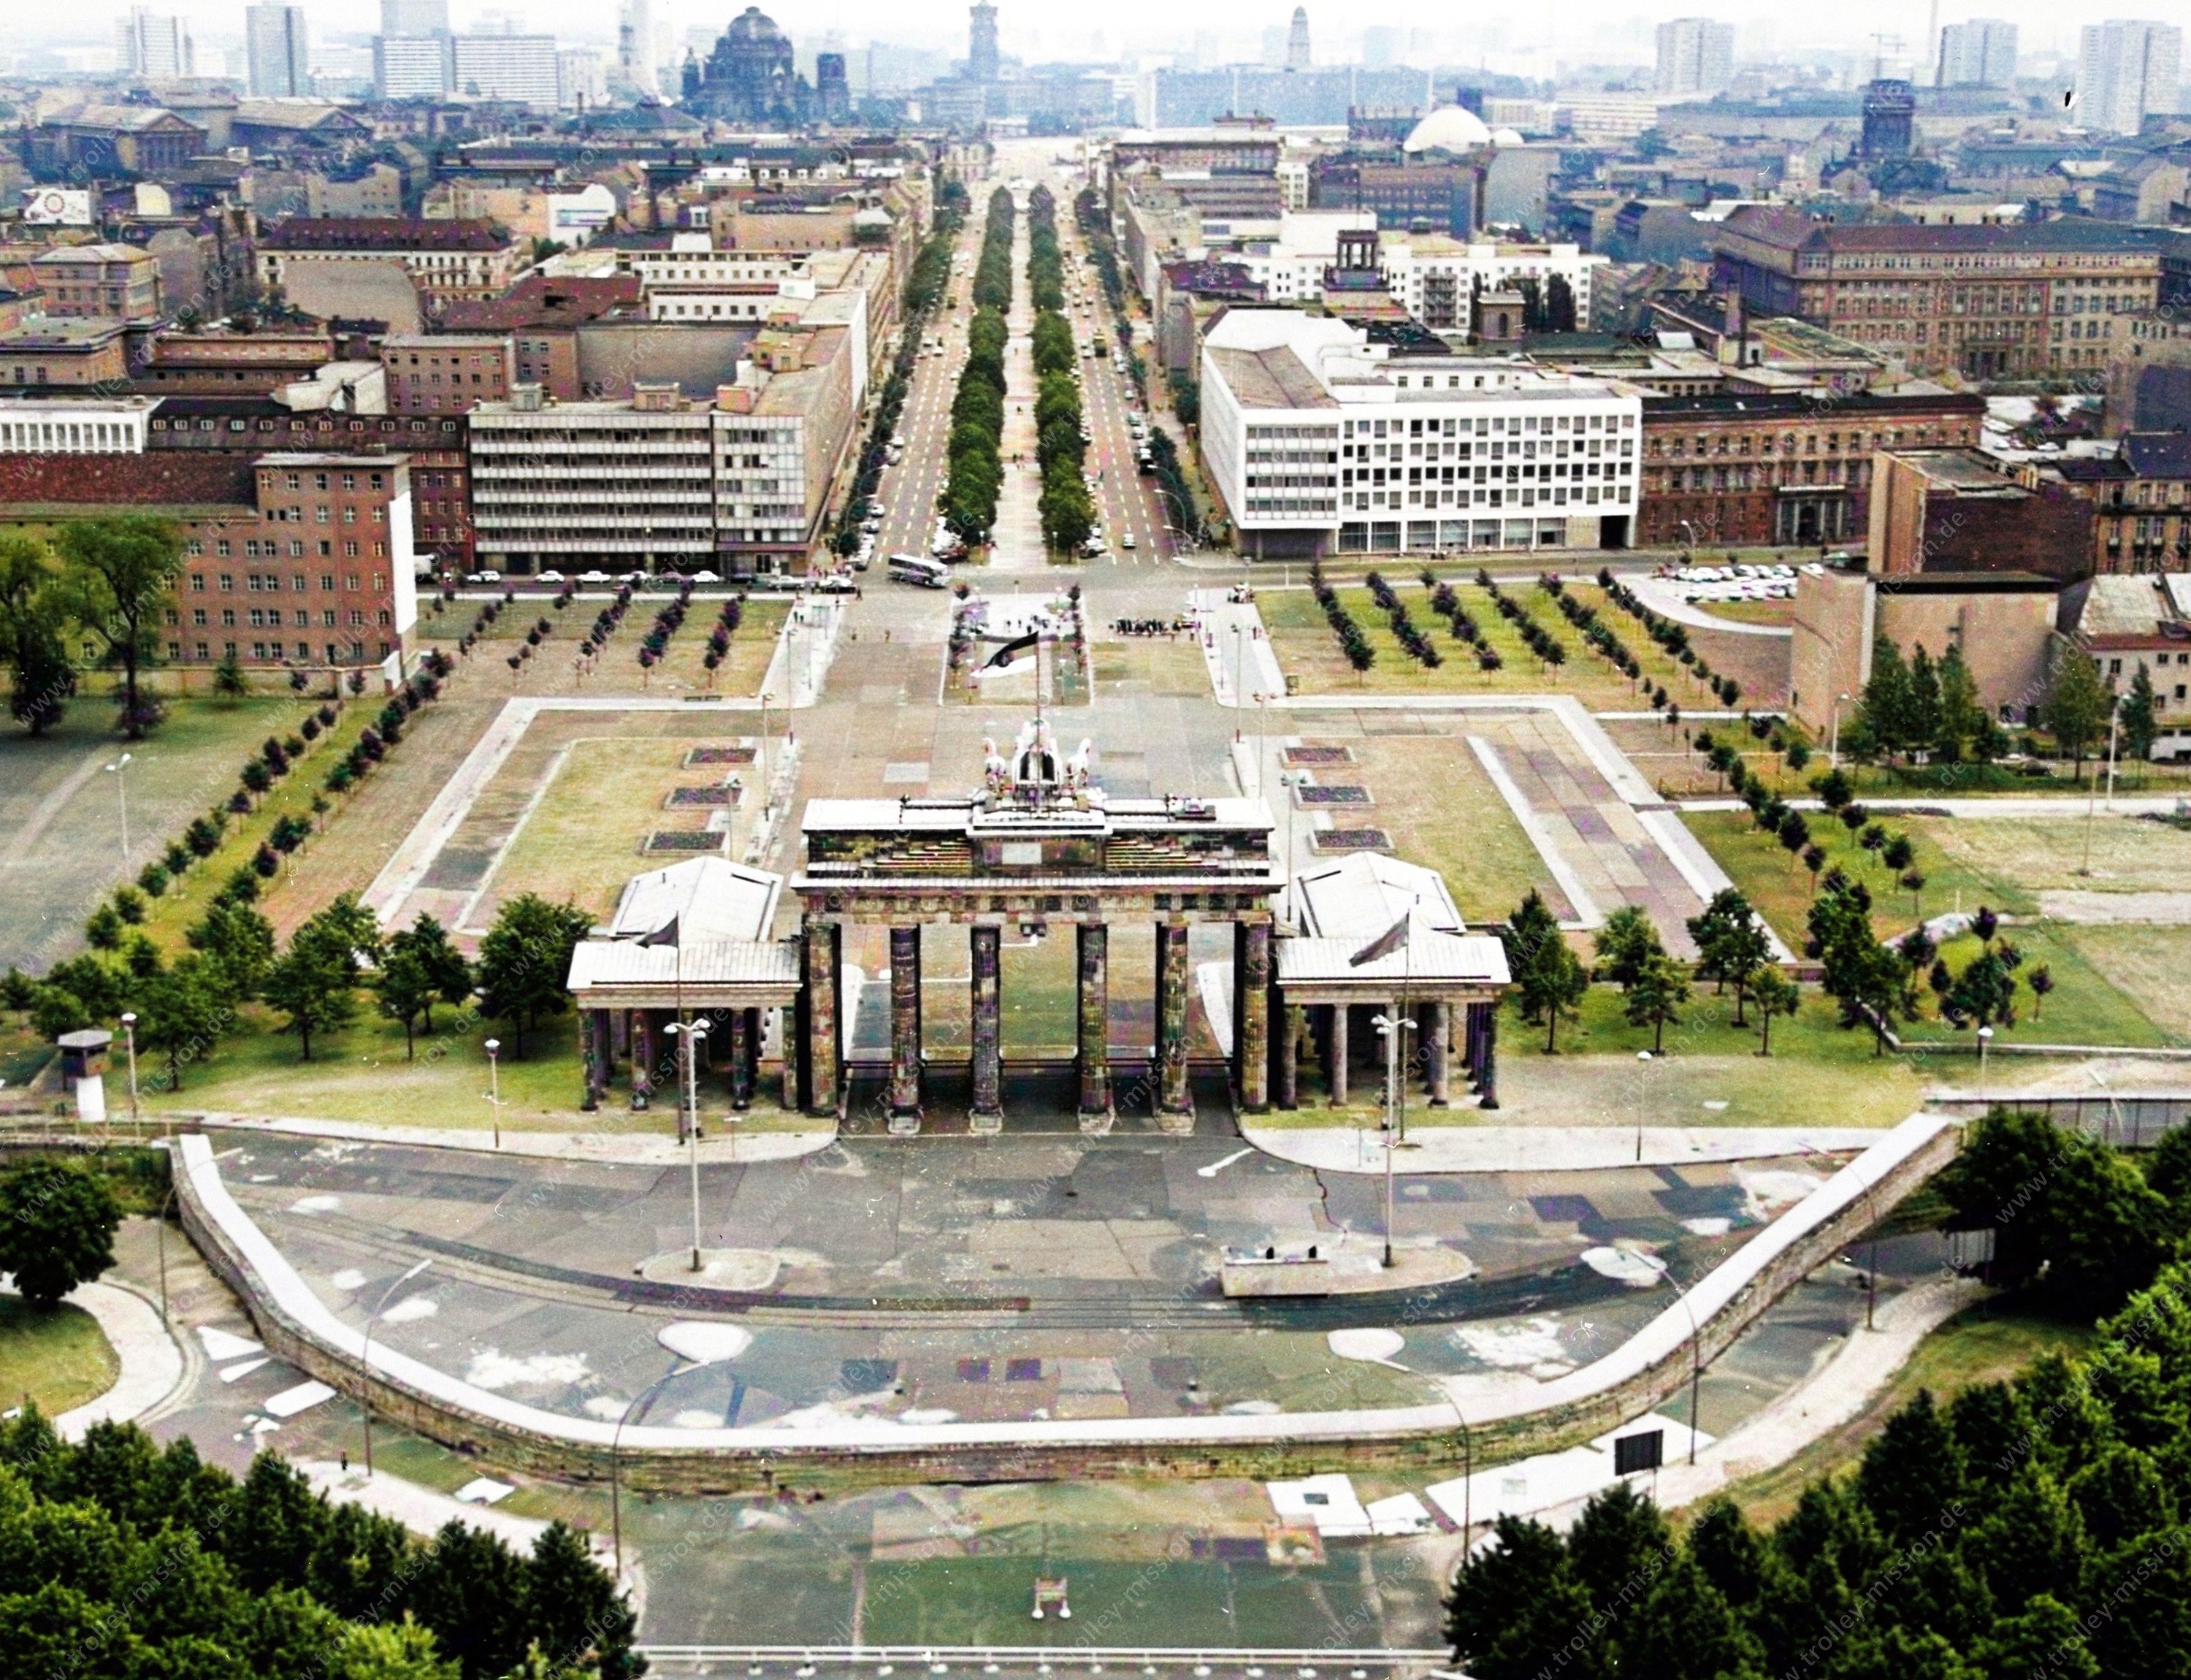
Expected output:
(1039, 845)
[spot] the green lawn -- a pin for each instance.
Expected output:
(1990, 1342)
(58, 1358)
(1307, 649)
(1436, 802)
(2000, 864)
(60, 816)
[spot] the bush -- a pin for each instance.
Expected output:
(57, 1225)
(129, 904)
(152, 879)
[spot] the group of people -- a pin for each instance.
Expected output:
(1163, 627)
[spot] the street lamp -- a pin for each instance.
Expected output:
(690, 1035)
(1392, 1026)
(121, 794)
(2114, 1107)
(2092, 794)
(365, 1355)
(1238, 657)
(1696, 1343)
(129, 1037)
(1644, 1064)
(1985, 1043)
(494, 1086)
(767, 792)
(1834, 742)
(615, 1445)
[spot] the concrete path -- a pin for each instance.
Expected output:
(152, 1367)
(2004, 807)
(1825, 1401)
(1663, 595)
(606, 1148)
(1441, 1149)
(421, 1509)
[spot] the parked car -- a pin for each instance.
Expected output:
(551, 577)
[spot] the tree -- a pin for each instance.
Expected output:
(445, 966)
(2075, 711)
(1920, 723)
(181, 1013)
(1553, 981)
(1775, 994)
(314, 981)
(57, 1225)
(1731, 943)
(1795, 836)
(1882, 719)
(402, 990)
(1834, 788)
(2141, 719)
(41, 676)
(1983, 994)
(1655, 993)
(1625, 943)
(1962, 718)
(120, 577)
(239, 943)
(228, 679)
(2041, 981)
(1515, 1604)
(525, 961)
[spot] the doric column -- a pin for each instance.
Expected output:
(1093, 939)
(987, 965)
(643, 1049)
(823, 1060)
(1438, 1047)
(1486, 1059)
(1290, 1026)
(743, 1030)
(1173, 1095)
(905, 1029)
(594, 1051)
(1336, 1078)
(1252, 981)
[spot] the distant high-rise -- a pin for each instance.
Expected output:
(1380, 47)
(1297, 41)
(635, 71)
(1979, 53)
(278, 65)
(832, 88)
(580, 82)
(520, 68)
(412, 66)
(981, 43)
(153, 46)
(414, 17)
(1890, 118)
(1696, 55)
(2126, 71)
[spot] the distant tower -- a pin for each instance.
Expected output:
(981, 43)
(832, 90)
(1297, 41)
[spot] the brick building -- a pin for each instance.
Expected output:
(1962, 511)
(543, 314)
(221, 363)
(2013, 301)
(449, 374)
(299, 559)
(53, 353)
(1789, 471)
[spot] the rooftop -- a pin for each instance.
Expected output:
(1270, 379)
(381, 233)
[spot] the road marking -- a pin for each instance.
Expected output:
(1216, 1167)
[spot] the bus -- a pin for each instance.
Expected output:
(913, 568)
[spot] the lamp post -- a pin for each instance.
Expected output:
(121, 794)
(690, 1035)
(1644, 1064)
(615, 1446)
(1238, 659)
(1261, 715)
(1985, 1043)
(494, 1086)
(1696, 1345)
(1392, 1026)
(365, 1355)
(767, 792)
(1834, 741)
(160, 1237)
(129, 1037)
(2093, 793)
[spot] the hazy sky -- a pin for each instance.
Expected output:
(1579, 30)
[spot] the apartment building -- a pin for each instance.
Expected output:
(1435, 278)
(1318, 441)
(2141, 499)
(447, 374)
(106, 282)
(1981, 302)
(57, 353)
(447, 260)
(103, 426)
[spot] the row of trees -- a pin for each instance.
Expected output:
(976, 472)
(925, 287)
(127, 1561)
(108, 582)
(2030, 1527)
(1069, 511)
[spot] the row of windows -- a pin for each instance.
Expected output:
(1764, 476)
(1513, 472)
(269, 618)
(1527, 449)
(253, 548)
(1497, 425)
(337, 652)
(1523, 496)
(298, 582)
(1859, 442)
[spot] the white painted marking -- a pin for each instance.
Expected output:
(1216, 1167)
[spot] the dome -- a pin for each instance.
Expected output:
(1507, 137)
(1448, 128)
(753, 25)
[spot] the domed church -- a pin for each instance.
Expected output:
(749, 76)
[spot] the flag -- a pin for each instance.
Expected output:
(1390, 940)
(1011, 650)
(664, 935)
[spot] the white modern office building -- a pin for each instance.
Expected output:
(277, 52)
(156, 46)
(2126, 71)
(1320, 441)
(520, 68)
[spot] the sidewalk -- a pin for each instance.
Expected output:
(607, 1148)
(152, 1364)
(1442, 1148)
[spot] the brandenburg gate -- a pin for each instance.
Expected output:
(1039, 846)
